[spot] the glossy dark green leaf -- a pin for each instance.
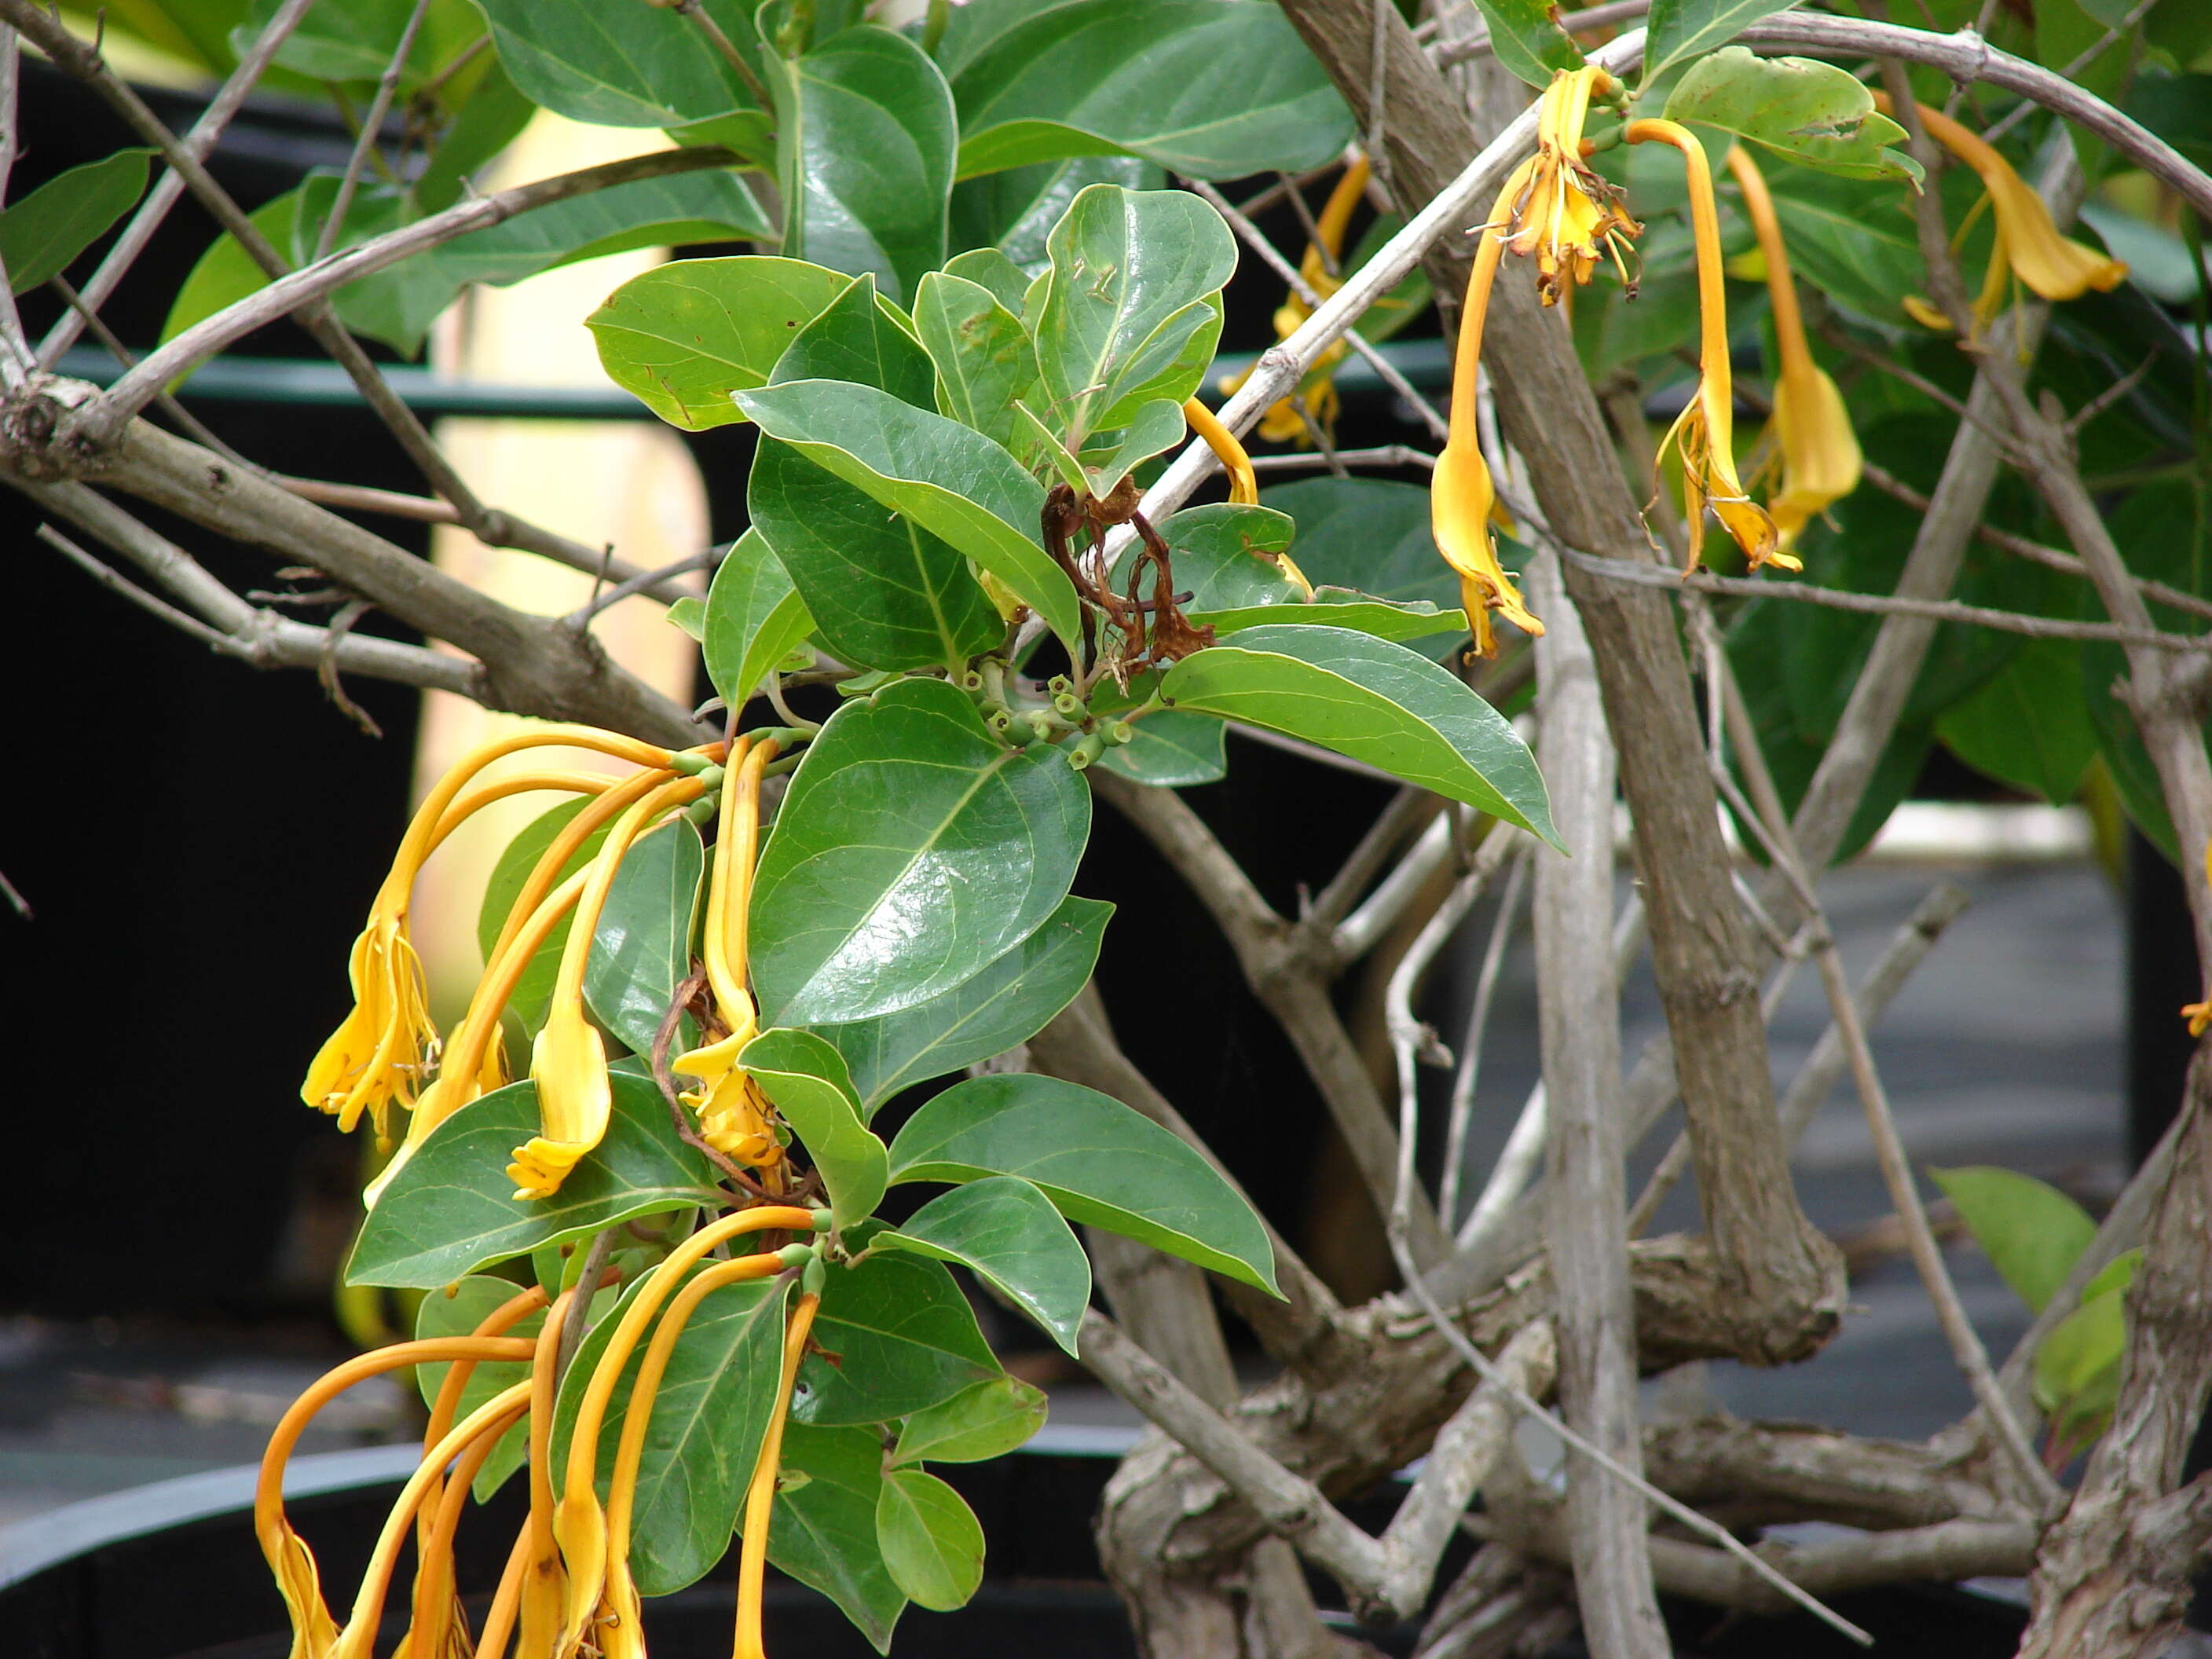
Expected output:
(1813, 112)
(1371, 535)
(859, 338)
(1154, 425)
(451, 1209)
(2030, 1231)
(976, 1424)
(883, 593)
(865, 134)
(1853, 240)
(1679, 29)
(981, 352)
(912, 851)
(534, 989)
(1214, 88)
(1129, 312)
(1096, 1160)
(43, 232)
(931, 1540)
(1013, 212)
(1527, 37)
(642, 952)
(1171, 750)
(1223, 560)
(620, 66)
(2029, 725)
(807, 1078)
(905, 1338)
(1007, 1003)
(952, 481)
(1376, 702)
(1005, 1230)
(823, 1530)
(703, 1437)
(490, 116)
(685, 336)
(754, 619)
(991, 269)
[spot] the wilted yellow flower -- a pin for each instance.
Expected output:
(1566, 213)
(1462, 501)
(1704, 433)
(1319, 270)
(1820, 456)
(2027, 244)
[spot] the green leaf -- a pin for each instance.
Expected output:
(953, 481)
(1529, 43)
(1371, 534)
(823, 1530)
(1813, 112)
(685, 336)
(1155, 425)
(642, 952)
(807, 1078)
(905, 1340)
(865, 138)
(2032, 1231)
(1852, 240)
(976, 1424)
(703, 1437)
(882, 592)
(1171, 750)
(354, 40)
(40, 235)
(1376, 702)
(1007, 1003)
(1096, 1160)
(2076, 1377)
(990, 270)
(931, 1540)
(912, 851)
(620, 66)
(491, 115)
(225, 273)
(1007, 1231)
(1214, 90)
(1011, 213)
(1679, 29)
(981, 352)
(2029, 727)
(860, 336)
(457, 1310)
(452, 1208)
(533, 990)
(754, 619)
(1130, 310)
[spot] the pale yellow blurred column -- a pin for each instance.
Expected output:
(630, 482)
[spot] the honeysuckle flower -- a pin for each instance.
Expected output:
(1704, 433)
(1821, 458)
(1462, 501)
(2027, 244)
(760, 1496)
(1319, 270)
(1567, 214)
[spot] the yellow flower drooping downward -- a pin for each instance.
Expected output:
(1282, 423)
(2027, 244)
(1820, 456)
(1704, 433)
(1567, 214)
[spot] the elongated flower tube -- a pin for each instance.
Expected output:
(542, 1591)
(1319, 269)
(760, 1496)
(2028, 244)
(1704, 433)
(1462, 501)
(1820, 456)
(1567, 214)
(569, 1061)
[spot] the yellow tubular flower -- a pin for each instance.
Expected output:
(1461, 499)
(541, 1581)
(580, 1524)
(1243, 482)
(1704, 431)
(1319, 269)
(1819, 452)
(2027, 244)
(1568, 213)
(760, 1498)
(569, 1062)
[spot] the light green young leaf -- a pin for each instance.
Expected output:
(1811, 112)
(44, 232)
(1679, 29)
(754, 619)
(807, 1080)
(1156, 425)
(1007, 1231)
(990, 270)
(1376, 702)
(225, 273)
(982, 353)
(1529, 43)
(2032, 1232)
(976, 1424)
(1171, 750)
(860, 336)
(931, 1540)
(2078, 1367)
(1096, 1160)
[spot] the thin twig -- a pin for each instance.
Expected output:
(1381, 455)
(187, 422)
(2012, 118)
(371, 127)
(1574, 22)
(1465, 1080)
(728, 50)
(1407, 814)
(646, 581)
(580, 1305)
